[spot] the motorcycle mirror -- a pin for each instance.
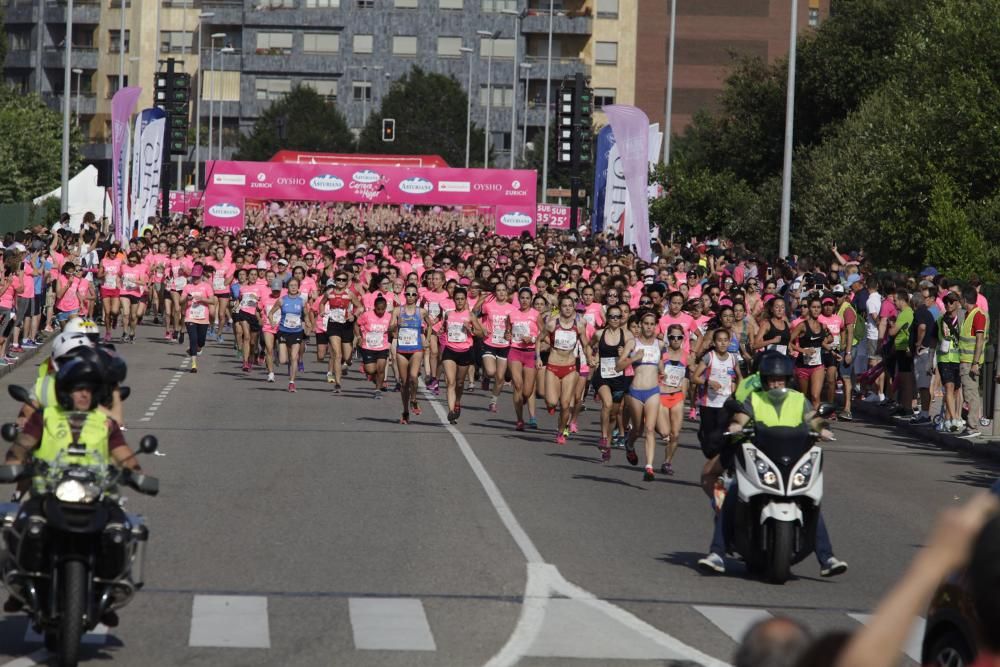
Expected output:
(148, 444)
(8, 432)
(825, 410)
(124, 392)
(18, 393)
(11, 474)
(734, 406)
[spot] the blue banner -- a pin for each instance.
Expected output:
(605, 140)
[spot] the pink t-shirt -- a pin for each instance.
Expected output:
(523, 324)
(7, 298)
(197, 313)
(250, 296)
(269, 324)
(594, 314)
(132, 277)
(374, 330)
(71, 299)
(156, 264)
(28, 285)
(112, 269)
(496, 317)
(457, 333)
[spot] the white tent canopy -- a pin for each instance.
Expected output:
(84, 195)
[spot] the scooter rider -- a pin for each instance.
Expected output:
(775, 405)
(77, 427)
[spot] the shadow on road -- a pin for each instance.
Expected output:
(608, 480)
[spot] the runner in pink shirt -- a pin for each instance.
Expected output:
(496, 314)
(134, 278)
(371, 330)
(109, 272)
(198, 300)
(269, 323)
(221, 277)
(521, 357)
(459, 326)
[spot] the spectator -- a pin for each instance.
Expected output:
(923, 343)
(772, 642)
(972, 353)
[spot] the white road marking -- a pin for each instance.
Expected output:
(914, 642)
(96, 637)
(229, 621)
(162, 396)
(544, 581)
(392, 624)
(734, 621)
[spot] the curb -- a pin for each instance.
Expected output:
(982, 447)
(24, 358)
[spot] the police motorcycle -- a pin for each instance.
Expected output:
(777, 477)
(81, 556)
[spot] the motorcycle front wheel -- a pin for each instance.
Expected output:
(71, 621)
(780, 561)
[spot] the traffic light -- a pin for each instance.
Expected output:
(172, 91)
(564, 126)
(388, 129)
(583, 111)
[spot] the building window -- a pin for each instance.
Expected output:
(503, 96)
(272, 89)
(813, 17)
(176, 41)
(449, 46)
(274, 43)
(450, 4)
(502, 48)
(113, 84)
(404, 45)
(322, 4)
(362, 90)
(406, 4)
(607, 9)
(320, 42)
(604, 96)
(114, 41)
(326, 89)
(496, 6)
(606, 53)
(19, 40)
(363, 43)
(365, 4)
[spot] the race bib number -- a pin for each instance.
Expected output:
(180, 282)
(520, 331)
(590, 318)
(275, 318)
(609, 368)
(457, 333)
(129, 283)
(218, 282)
(373, 339)
(780, 349)
(337, 316)
(673, 376)
(650, 355)
(111, 280)
(198, 311)
(292, 321)
(564, 340)
(407, 337)
(248, 301)
(944, 346)
(434, 308)
(499, 337)
(812, 356)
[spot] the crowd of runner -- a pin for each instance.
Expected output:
(426, 299)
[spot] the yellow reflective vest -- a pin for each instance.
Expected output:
(967, 339)
(89, 448)
(792, 409)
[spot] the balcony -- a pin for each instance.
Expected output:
(227, 12)
(563, 23)
(88, 102)
(561, 67)
(84, 57)
(85, 12)
(18, 12)
(21, 58)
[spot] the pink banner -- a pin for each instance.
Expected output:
(234, 182)
(631, 129)
(554, 216)
(181, 201)
(122, 106)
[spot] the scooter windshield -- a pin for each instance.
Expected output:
(784, 445)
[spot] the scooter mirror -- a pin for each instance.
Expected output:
(825, 410)
(18, 393)
(8, 432)
(148, 444)
(124, 392)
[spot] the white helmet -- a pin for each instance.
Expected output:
(65, 343)
(79, 325)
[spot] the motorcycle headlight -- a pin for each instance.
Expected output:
(71, 491)
(765, 471)
(803, 474)
(769, 478)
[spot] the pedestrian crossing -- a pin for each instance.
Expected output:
(402, 624)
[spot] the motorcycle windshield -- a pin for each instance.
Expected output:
(784, 445)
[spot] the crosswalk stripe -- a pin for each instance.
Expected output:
(390, 624)
(734, 621)
(914, 642)
(96, 637)
(229, 621)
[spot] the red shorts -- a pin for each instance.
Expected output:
(805, 372)
(670, 400)
(523, 357)
(110, 293)
(561, 371)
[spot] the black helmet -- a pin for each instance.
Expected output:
(114, 365)
(79, 372)
(775, 364)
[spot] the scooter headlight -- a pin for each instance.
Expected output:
(803, 474)
(765, 471)
(769, 478)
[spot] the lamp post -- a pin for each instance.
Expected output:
(527, 84)
(518, 15)
(121, 44)
(489, 92)
(68, 58)
(548, 107)
(468, 109)
(222, 59)
(786, 174)
(211, 90)
(197, 104)
(670, 84)
(78, 72)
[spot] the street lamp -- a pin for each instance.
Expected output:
(786, 174)
(222, 59)
(548, 108)
(68, 58)
(78, 72)
(197, 104)
(518, 15)
(489, 91)
(527, 84)
(211, 90)
(121, 44)
(468, 110)
(670, 84)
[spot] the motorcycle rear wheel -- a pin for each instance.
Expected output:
(73, 604)
(779, 568)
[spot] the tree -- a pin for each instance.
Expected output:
(31, 146)
(302, 120)
(430, 113)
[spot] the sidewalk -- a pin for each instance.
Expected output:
(983, 446)
(25, 358)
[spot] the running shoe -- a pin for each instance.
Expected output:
(329, 377)
(270, 377)
(16, 348)
(565, 432)
(10, 359)
(246, 367)
(846, 417)
(602, 445)
(519, 426)
(302, 366)
(666, 468)
(194, 365)
(452, 417)
(630, 454)
(573, 427)
(168, 335)
(560, 439)
(29, 344)
(377, 395)
(832, 567)
(291, 387)
(493, 406)
(180, 338)
(712, 563)
(921, 420)
(415, 408)
(532, 423)
(692, 415)
(220, 338)
(485, 384)
(551, 410)
(648, 476)
(336, 389)
(405, 419)
(398, 388)
(4, 362)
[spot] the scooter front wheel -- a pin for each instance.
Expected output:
(779, 568)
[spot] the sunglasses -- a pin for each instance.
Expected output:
(614, 317)
(645, 303)
(675, 337)
(409, 294)
(340, 280)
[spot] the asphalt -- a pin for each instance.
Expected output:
(468, 546)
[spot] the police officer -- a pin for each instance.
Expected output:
(774, 405)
